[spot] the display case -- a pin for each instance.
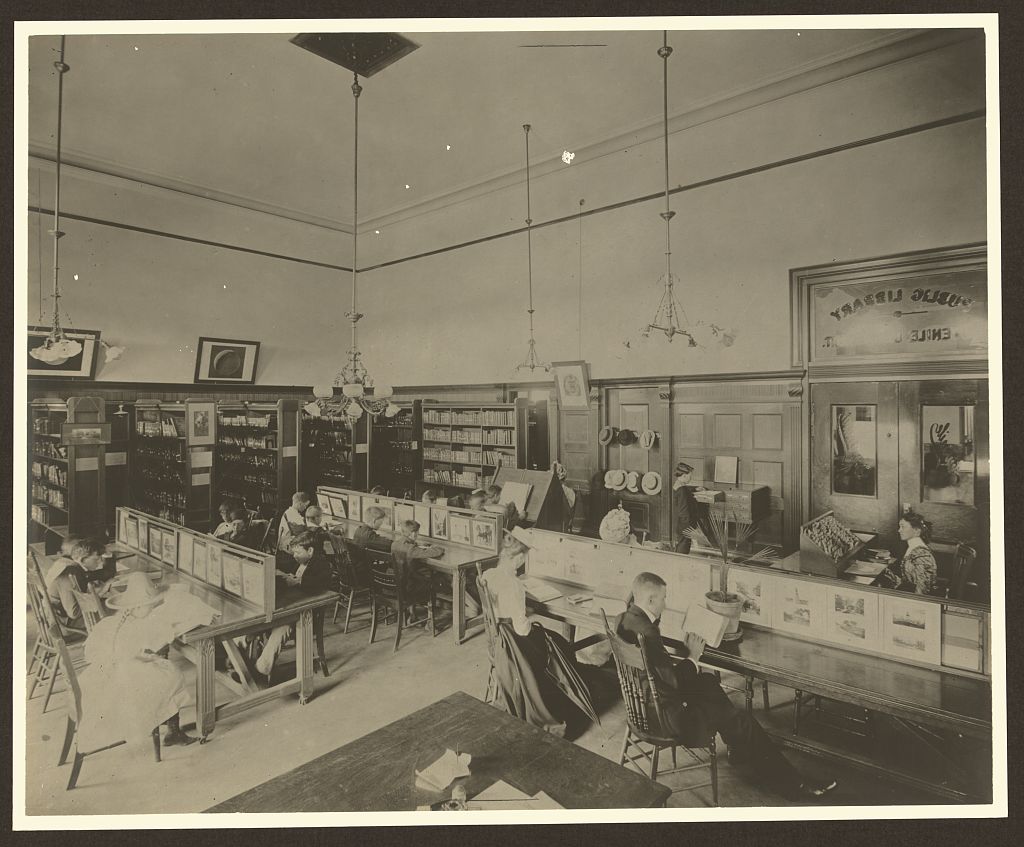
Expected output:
(257, 454)
(329, 452)
(396, 452)
(464, 444)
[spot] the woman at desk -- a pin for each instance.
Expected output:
(537, 676)
(917, 570)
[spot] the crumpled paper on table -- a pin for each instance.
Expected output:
(443, 772)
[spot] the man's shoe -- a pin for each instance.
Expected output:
(179, 737)
(815, 791)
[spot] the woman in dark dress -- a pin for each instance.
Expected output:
(538, 680)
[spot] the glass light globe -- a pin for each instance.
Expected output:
(323, 391)
(392, 410)
(352, 389)
(382, 392)
(354, 410)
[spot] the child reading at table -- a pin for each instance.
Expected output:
(81, 562)
(312, 575)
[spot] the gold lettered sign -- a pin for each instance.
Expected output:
(938, 315)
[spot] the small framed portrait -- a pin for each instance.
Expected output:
(200, 423)
(572, 384)
(226, 362)
(80, 365)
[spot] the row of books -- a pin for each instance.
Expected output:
(493, 457)
(49, 450)
(470, 417)
(40, 515)
(50, 473)
(163, 497)
(438, 454)
(44, 426)
(256, 442)
(48, 495)
(170, 427)
(501, 437)
(245, 420)
(465, 479)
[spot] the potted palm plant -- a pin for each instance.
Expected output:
(722, 601)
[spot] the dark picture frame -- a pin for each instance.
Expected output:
(226, 361)
(80, 367)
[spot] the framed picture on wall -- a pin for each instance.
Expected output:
(200, 423)
(226, 361)
(572, 384)
(82, 365)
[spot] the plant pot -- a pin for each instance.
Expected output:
(730, 609)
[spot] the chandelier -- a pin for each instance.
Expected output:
(57, 348)
(670, 317)
(361, 53)
(532, 360)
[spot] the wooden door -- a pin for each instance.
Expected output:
(855, 454)
(944, 458)
(639, 409)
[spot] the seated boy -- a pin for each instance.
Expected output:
(413, 577)
(429, 497)
(234, 525)
(366, 535)
(492, 503)
(73, 570)
(293, 521)
(312, 575)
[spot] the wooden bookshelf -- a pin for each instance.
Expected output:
(257, 454)
(463, 444)
(327, 456)
(396, 450)
(66, 484)
(163, 467)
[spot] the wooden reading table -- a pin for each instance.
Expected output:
(926, 696)
(457, 561)
(377, 771)
(236, 618)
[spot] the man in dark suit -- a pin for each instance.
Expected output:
(694, 704)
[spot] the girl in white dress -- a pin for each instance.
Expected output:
(128, 690)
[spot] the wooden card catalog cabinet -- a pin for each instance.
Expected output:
(230, 569)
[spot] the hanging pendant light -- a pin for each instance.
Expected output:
(532, 361)
(57, 348)
(361, 53)
(670, 318)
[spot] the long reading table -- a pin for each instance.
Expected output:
(235, 619)
(926, 696)
(457, 561)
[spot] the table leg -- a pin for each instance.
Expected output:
(304, 655)
(459, 605)
(748, 685)
(206, 688)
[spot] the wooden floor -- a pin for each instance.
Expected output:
(369, 687)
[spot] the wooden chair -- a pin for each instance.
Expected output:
(75, 718)
(350, 583)
(632, 670)
(491, 627)
(965, 558)
(45, 660)
(91, 605)
(386, 594)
